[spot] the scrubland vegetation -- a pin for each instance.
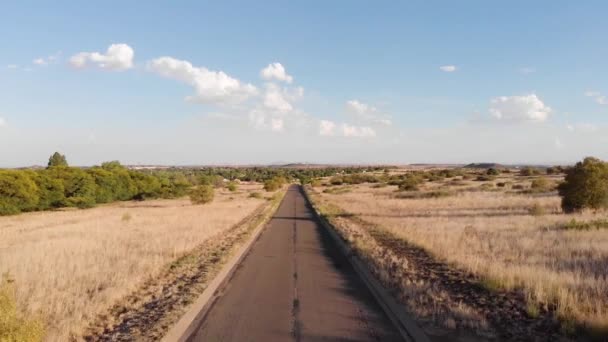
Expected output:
(509, 230)
(68, 266)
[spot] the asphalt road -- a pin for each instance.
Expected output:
(294, 285)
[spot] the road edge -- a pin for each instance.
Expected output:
(408, 329)
(191, 320)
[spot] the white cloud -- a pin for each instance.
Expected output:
(117, 57)
(263, 120)
(357, 131)
(599, 98)
(44, 61)
(276, 99)
(330, 128)
(12, 66)
(526, 108)
(326, 128)
(276, 71)
(40, 61)
(2, 122)
(210, 86)
(367, 114)
(448, 68)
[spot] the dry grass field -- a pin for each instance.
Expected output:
(508, 239)
(68, 266)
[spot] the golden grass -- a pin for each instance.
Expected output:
(513, 240)
(70, 265)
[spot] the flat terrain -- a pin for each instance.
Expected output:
(491, 257)
(71, 266)
(294, 285)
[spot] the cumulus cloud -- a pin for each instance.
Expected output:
(330, 128)
(117, 57)
(599, 98)
(210, 86)
(327, 128)
(366, 113)
(448, 68)
(516, 109)
(263, 120)
(40, 61)
(276, 99)
(277, 72)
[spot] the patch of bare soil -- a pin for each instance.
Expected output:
(149, 312)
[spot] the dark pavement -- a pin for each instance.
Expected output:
(294, 285)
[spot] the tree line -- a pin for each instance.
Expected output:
(60, 185)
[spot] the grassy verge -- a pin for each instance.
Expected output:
(149, 312)
(442, 295)
(13, 325)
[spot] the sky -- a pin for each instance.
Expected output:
(247, 82)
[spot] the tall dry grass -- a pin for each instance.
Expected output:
(513, 240)
(70, 265)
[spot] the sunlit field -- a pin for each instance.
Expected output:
(70, 265)
(509, 237)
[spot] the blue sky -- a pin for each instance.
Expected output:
(345, 82)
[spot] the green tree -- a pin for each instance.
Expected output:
(585, 186)
(57, 159)
(78, 185)
(50, 190)
(202, 194)
(18, 192)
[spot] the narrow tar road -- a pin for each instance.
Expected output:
(294, 285)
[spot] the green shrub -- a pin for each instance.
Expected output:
(13, 326)
(541, 185)
(202, 194)
(484, 178)
(255, 195)
(336, 180)
(410, 184)
(585, 186)
(492, 172)
(529, 171)
(18, 192)
(275, 183)
(232, 187)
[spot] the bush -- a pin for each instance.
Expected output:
(585, 186)
(529, 171)
(255, 195)
(18, 192)
(410, 183)
(202, 194)
(484, 178)
(541, 185)
(492, 172)
(274, 183)
(232, 187)
(14, 327)
(336, 180)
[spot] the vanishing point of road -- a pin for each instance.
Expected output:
(295, 285)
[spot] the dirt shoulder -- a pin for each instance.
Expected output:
(149, 311)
